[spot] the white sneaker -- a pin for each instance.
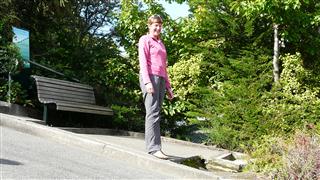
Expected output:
(160, 155)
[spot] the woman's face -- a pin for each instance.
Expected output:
(155, 29)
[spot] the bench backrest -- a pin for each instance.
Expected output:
(51, 90)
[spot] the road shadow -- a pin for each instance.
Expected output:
(193, 161)
(175, 159)
(9, 162)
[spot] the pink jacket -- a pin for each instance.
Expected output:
(153, 59)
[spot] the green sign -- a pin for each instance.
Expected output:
(21, 39)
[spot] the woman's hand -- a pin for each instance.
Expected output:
(170, 94)
(149, 88)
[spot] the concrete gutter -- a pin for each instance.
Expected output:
(114, 151)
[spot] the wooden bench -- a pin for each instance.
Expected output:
(67, 96)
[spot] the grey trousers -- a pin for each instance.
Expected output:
(153, 103)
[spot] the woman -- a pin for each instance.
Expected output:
(154, 82)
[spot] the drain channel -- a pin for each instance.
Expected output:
(227, 163)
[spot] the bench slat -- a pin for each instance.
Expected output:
(67, 88)
(44, 92)
(61, 82)
(85, 98)
(65, 99)
(84, 109)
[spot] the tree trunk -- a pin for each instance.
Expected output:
(275, 62)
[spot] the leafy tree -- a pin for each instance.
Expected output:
(10, 59)
(286, 16)
(66, 37)
(223, 74)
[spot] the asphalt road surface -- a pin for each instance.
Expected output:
(24, 156)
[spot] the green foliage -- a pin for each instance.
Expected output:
(173, 112)
(6, 14)
(297, 79)
(186, 76)
(266, 155)
(296, 101)
(231, 108)
(128, 118)
(236, 95)
(256, 124)
(173, 108)
(301, 157)
(9, 54)
(117, 81)
(9, 59)
(71, 40)
(293, 157)
(17, 95)
(239, 110)
(289, 14)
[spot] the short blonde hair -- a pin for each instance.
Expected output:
(155, 19)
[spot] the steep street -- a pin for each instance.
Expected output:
(24, 156)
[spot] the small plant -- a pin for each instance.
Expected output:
(266, 154)
(17, 94)
(295, 158)
(128, 118)
(301, 159)
(10, 60)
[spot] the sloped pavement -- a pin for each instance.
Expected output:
(129, 147)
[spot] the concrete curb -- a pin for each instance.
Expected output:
(111, 150)
(114, 132)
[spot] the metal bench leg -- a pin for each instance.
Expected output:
(45, 113)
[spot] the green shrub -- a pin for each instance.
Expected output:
(244, 107)
(293, 157)
(235, 117)
(128, 118)
(266, 155)
(291, 106)
(301, 159)
(17, 93)
(231, 106)
(10, 61)
(185, 76)
(295, 101)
